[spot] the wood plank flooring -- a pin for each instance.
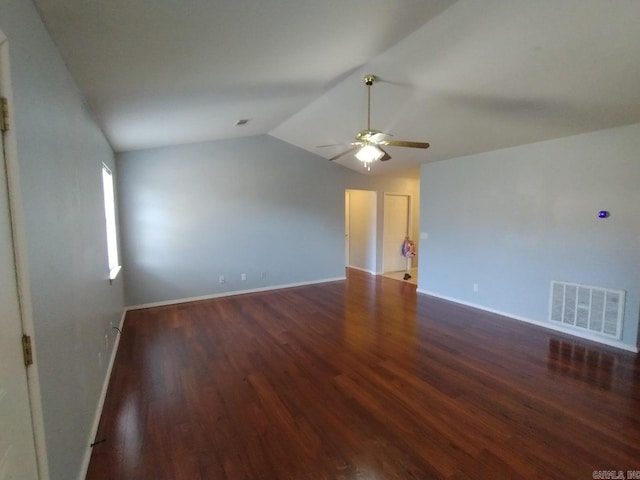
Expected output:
(360, 379)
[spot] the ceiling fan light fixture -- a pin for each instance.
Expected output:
(369, 154)
(369, 142)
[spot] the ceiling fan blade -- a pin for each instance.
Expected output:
(379, 137)
(372, 136)
(403, 143)
(386, 156)
(343, 154)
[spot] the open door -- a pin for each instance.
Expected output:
(17, 445)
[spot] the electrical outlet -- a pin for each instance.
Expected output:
(263, 275)
(475, 287)
(221, 279)
(106, 341)
(100, 360)
(243, 277)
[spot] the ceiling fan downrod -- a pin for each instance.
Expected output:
(369, 80)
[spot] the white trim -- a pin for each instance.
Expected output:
(409, 220)
(103, 395)
(362, 270)
(347, 226)
(370, 272)
(113, 273)
(585, 335)
(229, 294)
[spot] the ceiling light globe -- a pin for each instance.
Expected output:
(369, 153)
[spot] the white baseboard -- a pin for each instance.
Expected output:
(229, 294)
(550, 326)
(103, 396)
(362, 270)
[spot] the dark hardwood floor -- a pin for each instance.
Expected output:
(360, 379)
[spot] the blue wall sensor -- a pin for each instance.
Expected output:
(603, 214)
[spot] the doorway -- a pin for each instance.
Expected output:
(360, 229)
(396, 226)
(347, 226)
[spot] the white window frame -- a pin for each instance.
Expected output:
(108, 189)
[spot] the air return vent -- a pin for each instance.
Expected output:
(597, 310)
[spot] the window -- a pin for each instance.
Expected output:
(110, 217)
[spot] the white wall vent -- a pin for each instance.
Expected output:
(597, 310)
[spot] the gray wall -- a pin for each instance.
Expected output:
(249, 205)
(60, 151)
(515, 219)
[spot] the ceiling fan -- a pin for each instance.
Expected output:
(369, 142)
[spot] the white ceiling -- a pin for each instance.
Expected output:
(468, 76)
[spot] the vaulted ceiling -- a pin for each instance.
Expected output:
(467, 76)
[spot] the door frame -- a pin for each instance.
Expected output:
(21, 264)
(409, 218)
(372, 238)
(347, 226)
